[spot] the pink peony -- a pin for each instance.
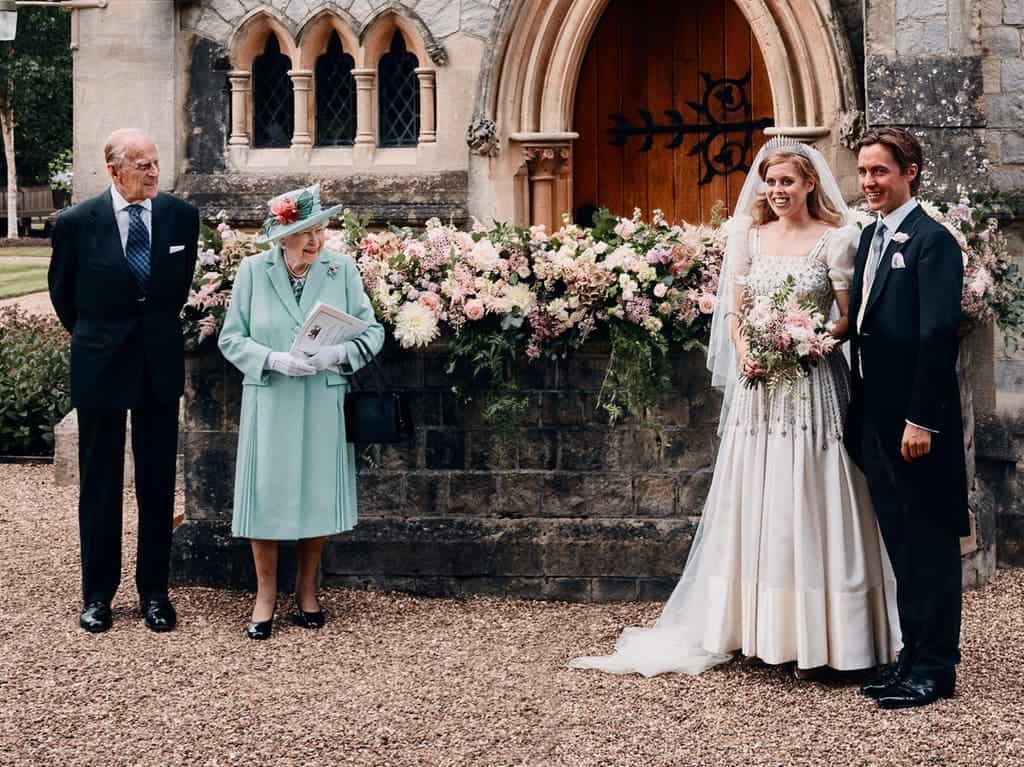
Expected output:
(660, 290)
(707, 303)
(474, 309)
(431, 301)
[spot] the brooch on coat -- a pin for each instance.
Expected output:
(332, 269)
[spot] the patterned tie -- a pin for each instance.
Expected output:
(871, 268)
(136, 250)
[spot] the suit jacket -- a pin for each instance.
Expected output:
(903, 361)
(126, 348)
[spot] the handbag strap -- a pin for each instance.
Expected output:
(370, 361)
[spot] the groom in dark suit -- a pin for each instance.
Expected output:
(904, 425)
(120, 272)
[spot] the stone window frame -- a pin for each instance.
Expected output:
(303, 49)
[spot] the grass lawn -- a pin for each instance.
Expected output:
(21, 279)
(41, 251)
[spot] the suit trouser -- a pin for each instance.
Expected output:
(101, 443)
(925, 556)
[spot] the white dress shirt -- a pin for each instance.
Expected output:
(124, 218)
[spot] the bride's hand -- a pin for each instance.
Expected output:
(750, 368)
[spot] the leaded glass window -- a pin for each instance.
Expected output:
(399, 92)
(335, 96)
(273, 105)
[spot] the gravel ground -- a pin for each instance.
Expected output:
(395, 680)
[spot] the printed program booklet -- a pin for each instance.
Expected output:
(325, 326)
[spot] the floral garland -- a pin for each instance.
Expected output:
(504, 294)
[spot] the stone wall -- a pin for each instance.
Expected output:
(568, 508)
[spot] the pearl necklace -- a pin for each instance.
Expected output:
(295, 275)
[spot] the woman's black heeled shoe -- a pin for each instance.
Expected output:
(309, 620)
(261, 629)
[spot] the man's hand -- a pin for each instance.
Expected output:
(916, 443)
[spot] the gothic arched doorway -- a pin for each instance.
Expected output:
(658, 78)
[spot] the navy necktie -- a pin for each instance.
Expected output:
(136, 250)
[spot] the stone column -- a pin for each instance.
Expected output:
(365, 80)
(428, 118)
(302, 85)
(549, 167)
(366, 139)
(239, 107)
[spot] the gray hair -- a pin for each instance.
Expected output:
(120, 141)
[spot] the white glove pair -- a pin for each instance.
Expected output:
(287, 365)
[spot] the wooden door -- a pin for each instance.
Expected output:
(671, 103)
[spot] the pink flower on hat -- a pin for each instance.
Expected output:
(284, 210)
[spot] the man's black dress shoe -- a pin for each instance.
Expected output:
(890, 676)
(315, 620)
(159, 614)
(95, 617)
(916, 690)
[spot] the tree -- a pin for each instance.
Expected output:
(35, 99)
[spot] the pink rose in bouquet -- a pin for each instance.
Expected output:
(474, 309)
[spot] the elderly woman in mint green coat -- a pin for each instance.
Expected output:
(295, 477)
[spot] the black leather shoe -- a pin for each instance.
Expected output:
(260, 629)
(159, 614)
(95, 617)
(888, 677)
(309, 620)
(917, 690)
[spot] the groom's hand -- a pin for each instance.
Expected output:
(916, 443)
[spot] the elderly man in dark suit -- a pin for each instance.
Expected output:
(904, 425)
(120, 272)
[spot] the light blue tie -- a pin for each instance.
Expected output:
(136, 250)
(875, 257)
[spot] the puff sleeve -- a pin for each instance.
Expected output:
(840, 253)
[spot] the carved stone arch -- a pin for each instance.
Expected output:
(379, 29)
(250, 38)
(315, 32)
(539, 49)
(809, 63)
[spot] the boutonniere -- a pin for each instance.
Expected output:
(900, 237)
(332, 269)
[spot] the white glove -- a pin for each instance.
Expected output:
(328, 357)
(287, 365)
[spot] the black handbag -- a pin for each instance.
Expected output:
(376, 416)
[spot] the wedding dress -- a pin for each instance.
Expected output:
(787, 563)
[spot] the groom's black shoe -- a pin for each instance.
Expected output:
(918, 690)
(95, 617)
(159, 613)
(889, 677)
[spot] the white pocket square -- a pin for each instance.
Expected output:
(897, 261)
(177, 248)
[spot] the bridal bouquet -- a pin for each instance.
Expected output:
(785, 337)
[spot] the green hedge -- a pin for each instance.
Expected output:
(35, 388)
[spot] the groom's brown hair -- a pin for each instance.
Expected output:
(902, 145)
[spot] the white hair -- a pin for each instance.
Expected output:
(120, 141)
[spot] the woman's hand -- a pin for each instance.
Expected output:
(328, 357)
(287, 365)
(751, 368)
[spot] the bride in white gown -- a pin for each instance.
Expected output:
(787, 563)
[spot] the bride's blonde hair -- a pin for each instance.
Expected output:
(818, 204)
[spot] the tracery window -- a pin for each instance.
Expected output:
(335, 96)
(399, 96)
(272, 98)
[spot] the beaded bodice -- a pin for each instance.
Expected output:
(768, 273)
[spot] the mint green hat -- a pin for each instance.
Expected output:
(293, 212)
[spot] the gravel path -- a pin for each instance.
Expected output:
(33, 303)
(395, 680)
